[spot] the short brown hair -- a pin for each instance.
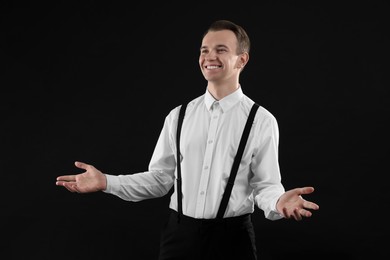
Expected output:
(241, 35)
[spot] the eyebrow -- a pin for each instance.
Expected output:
(218, 46)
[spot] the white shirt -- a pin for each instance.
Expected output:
(210, 136)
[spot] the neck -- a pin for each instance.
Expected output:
(221, 91)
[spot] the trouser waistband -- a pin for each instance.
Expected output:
(186, 220)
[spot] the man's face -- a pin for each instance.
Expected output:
(218, 58)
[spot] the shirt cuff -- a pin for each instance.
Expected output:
(273, 213)
(112, 183)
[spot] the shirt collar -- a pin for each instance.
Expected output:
(227, 102)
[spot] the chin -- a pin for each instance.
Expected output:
(210, 76)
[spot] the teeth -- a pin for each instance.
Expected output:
(212, 67)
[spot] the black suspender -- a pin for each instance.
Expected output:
(237, 160)
(178, 161)
(234, 170)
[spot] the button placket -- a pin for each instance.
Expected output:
(204, 180)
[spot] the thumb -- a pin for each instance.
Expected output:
(81, 165)
(306, 190)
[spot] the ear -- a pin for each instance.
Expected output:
(243, 59)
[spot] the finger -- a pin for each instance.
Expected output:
(306, 213)
(286, 214)
(311, 205)
(66, 178)
(64, 183)
(292, 215)
(75, 188)
(297, 215)
(60, 183)
(69, 187)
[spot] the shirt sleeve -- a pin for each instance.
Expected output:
(157, 181)
(265, 166)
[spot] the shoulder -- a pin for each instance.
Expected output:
(262, 112)
(265, 113)
(187, 104)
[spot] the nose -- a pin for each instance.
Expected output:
(211, 55)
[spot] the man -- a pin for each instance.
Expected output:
(214, 195)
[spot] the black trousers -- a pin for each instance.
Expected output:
(205, 239)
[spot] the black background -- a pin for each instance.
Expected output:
(93, 81)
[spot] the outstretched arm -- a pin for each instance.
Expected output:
(292, 205)
(91, 180)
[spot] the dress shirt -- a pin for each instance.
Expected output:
(210, 137)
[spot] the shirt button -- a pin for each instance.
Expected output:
(206, 167)
(202, 193)
(210, 141)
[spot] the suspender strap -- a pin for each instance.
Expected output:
(233, 172)
(178, 180)
(237, 160)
